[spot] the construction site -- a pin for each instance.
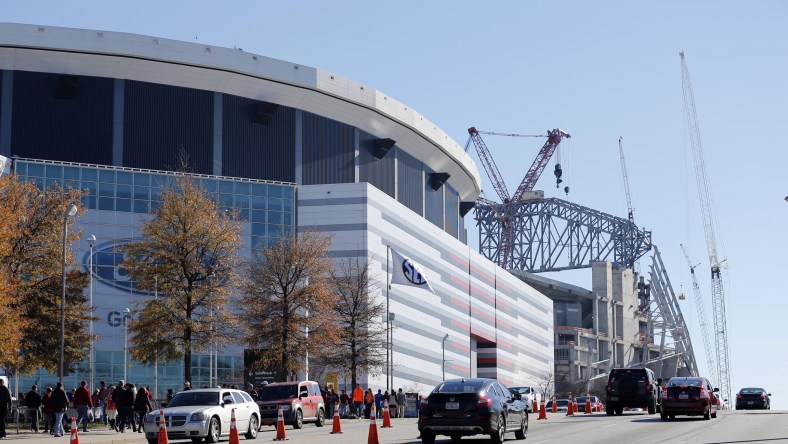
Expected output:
(628, 318)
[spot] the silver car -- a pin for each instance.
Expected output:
(205, 413)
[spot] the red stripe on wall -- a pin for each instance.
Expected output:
(462, 283)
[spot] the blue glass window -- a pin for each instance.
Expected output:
(107, 176)
(106, 203)
(35, 170)
(142, 179)
(54, 171)
(71, 173)
(124, 191)
(140, 206)
(124, 177)
(89, 174)
(123, 205)
(241, 188)
(106, 190)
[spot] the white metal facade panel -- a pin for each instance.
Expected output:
(523, 350)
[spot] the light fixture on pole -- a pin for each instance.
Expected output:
(443, 364)
(71, 211)
(126, 318)
(91, 240)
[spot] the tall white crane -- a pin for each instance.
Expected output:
(707, 211)
(630, 210)
(704, 326)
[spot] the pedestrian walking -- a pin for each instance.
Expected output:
(400, 403)
(82, 403)
(393, 404)
(59, 405)
(5, 405)
(112, 409)
(33, 402)
(142, 406)
(344, 404)
(46, 411)
(102, 403)
(379, 404)
(358, 400)
(369, 401)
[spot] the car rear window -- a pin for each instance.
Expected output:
(271, 393)
(681, 382)
(458, 387)
(751, 391)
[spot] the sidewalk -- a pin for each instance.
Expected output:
(96, 435)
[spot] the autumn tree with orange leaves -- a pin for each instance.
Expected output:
(285, 292)
(187, 253)
(31, 242)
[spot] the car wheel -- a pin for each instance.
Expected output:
(652, 406)
(672, 416)
(254, 426)
(619, 410)
(663, 416)
(153, 441)
(610, 410)
(298, 422)
(427, 437)
(714, 415)
(497, 435)
(522, 432)
(707, 413)
(213, 430)
(321, 418)
(455, 438)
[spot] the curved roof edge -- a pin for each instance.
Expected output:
(233, 71)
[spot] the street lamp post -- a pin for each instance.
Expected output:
(71, 211)
(126, 318)
(443, 349)
(156, 358)
(91, 240)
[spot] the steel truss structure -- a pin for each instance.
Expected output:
(666, 320)
(553, 234)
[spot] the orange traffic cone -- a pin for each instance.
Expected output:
(386, 415)
(74, 434)
(542, 412)
(569, 409)
(535, 407)
(233, 429)
(372, 438)
(555, 405)
(588, 403)
(280, 426)
(162, 429)
(337, 427)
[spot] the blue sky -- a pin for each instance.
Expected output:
(599, 70)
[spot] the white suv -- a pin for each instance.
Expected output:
(527, 394)
(205, 413)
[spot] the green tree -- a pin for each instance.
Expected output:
(187, 253)
(30, 258)
(285, 292)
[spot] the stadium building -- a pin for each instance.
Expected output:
(291, 147)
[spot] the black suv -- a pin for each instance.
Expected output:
(633, 387)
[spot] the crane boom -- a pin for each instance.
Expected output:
(489, 165)
(630, 210)
(704, 326)
(706, 205)
(532, 176)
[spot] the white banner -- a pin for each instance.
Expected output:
(407, 272)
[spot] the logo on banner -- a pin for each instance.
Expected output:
(413, 273)
(108, 267)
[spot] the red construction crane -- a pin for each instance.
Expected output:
(529, 181)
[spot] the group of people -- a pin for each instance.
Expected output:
(120, 406)
(364, 400)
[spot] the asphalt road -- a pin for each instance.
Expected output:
(730, 427)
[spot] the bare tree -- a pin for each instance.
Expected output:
(361, 345)
(285, 292)
(188, 254)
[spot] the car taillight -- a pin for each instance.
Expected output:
(703, 393)
(648, 386)
(484, 402)
(738, 396)
(762, 397)
(424, 403)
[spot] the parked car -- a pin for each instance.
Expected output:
(528, 394)
(561, 405)
(596, 404)
(472, 406)
(205, 414)
(689, 396)
(753, 398)
(632, 387)
(301, 402)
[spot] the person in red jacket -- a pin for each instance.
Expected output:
(83, 403)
